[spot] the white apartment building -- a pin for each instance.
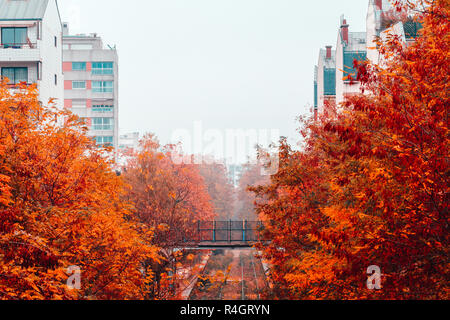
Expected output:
(31, 46)
(350, 46)
(91, 85)
(382, 20)
(325, 78)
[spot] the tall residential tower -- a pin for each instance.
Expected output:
(91, 85)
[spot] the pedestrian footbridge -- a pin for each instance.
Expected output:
(226, 234)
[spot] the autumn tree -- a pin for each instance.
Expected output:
(60, 206)
(170, 198)
(370, 187)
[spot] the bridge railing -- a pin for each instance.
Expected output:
(228, 231)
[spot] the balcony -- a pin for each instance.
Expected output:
(16, 52)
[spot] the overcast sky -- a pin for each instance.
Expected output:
(231, 64)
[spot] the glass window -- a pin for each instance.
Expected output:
(349, 58)
(79, 66)
(78, 84)
(15, 75)
(102, 86)
(104, 140)
(103, 123)
(14, 37)
(329, 82)
(102, 108)
(102, 68)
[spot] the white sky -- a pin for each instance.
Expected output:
(231, 64)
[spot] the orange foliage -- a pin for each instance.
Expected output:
(60, 206)
(170, 198)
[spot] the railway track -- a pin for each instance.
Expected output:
(244, 277)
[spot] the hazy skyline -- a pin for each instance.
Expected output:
(231, 64)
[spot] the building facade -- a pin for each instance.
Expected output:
(129, 141)
(325, 78)
(31, 46)
(91, 85)
(350, 46)
(382, 21)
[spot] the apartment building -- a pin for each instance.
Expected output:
(325, 78)
(350, 46)
(383, 20)
(91, 84)
(31, 46)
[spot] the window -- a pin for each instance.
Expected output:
(102, 68)
(56, 80)
(56, 41)
(78, 66)
(78, 85)
(103, 123)
(329, 81)
(14, 37)
(102, 86)
(349, 58)
(102, 108)
(15, 75)
(104, 141)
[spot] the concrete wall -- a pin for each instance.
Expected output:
(51, 56)
(371, 29)
(320, 85)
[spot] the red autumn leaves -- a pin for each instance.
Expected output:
(371, 185)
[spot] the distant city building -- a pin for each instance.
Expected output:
(325, 78)
(31, 46)
(235, 173)
(129, 141)
(91, 85)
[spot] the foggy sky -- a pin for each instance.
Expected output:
(231, 64)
